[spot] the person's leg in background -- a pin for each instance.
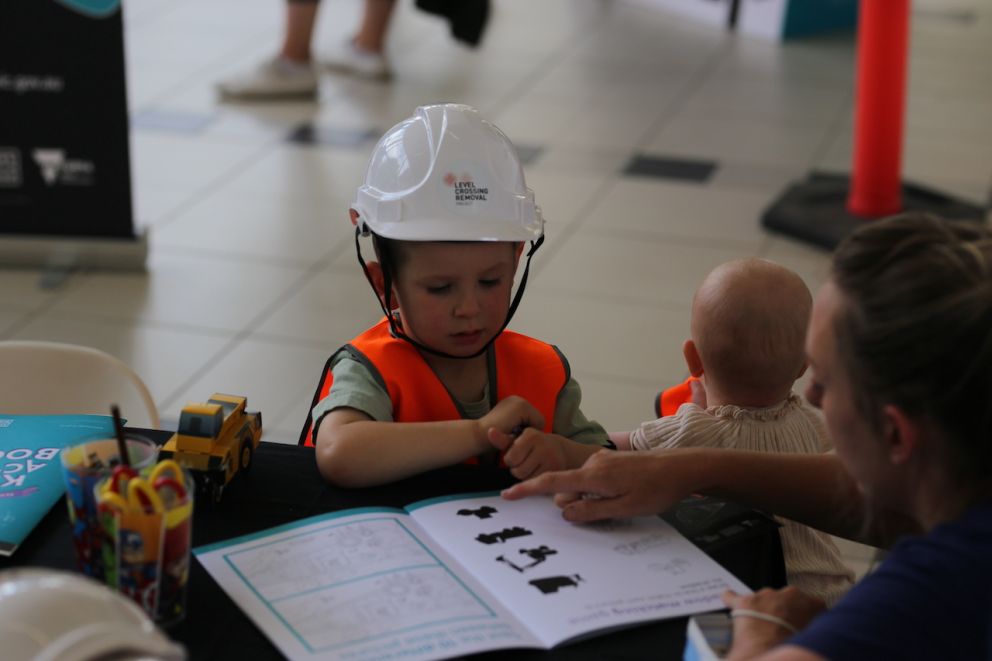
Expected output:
(364, 54)
(288, 74)
(301, 17)
(291, 73)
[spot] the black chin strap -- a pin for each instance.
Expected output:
(394, 327)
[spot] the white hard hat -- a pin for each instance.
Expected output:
(446, 174)
(49, 615)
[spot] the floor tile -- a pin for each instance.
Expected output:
(679, 210)
(170, 160)
(581, 160)
(307, 175)
(286, 231)
(563, 198)
(22, 288)
(12, 316)
(309, 134)
(662, 167)
(171, 121)
(633, 266)
(760, 142)
(792, 102)
(331, 308)
(188, 292)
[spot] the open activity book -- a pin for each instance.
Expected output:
(456, 575)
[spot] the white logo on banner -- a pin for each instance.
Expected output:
(10, 166)
(56, 168)
(49, 162)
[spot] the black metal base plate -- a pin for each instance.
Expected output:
(815, 210)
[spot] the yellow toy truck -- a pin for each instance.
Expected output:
(215, 440)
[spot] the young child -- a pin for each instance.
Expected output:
(748, 327)
(439, 381)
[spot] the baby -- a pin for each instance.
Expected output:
(748, 327)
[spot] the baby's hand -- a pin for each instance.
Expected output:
(531, 453)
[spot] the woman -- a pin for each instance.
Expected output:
(900, 349)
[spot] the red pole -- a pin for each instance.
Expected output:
(880, 96)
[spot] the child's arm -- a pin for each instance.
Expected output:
(355, 451)
(621, 439)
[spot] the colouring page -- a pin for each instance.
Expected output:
(359, 586)
(563, 579)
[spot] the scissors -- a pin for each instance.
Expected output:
(127, 492)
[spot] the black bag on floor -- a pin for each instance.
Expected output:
(467, 17)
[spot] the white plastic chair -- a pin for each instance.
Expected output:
(38, 378)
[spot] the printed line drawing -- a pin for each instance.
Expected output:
(538, 555)
(645, 544)
(483, 512)
(552, 584)
(503, 535)
(369, 606)
(677, 566)
(343, 553)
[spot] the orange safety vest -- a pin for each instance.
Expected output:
(669, 400)
(524, 366)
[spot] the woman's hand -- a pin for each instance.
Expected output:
(766, 618)
(621, 484)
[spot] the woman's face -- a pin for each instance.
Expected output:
(829, 389)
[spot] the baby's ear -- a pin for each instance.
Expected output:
(692, 360)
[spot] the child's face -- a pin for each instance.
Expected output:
(453, 297)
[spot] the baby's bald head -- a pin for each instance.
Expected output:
(749, 322)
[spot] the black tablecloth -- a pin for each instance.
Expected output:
(283, 485)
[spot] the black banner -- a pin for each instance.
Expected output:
(64, 167)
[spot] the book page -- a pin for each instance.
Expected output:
(564, 580)
(361, 584)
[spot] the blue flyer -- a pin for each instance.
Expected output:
(30, 471)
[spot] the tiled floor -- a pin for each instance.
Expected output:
(252, 280)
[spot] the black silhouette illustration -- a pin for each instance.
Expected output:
(483, 512)
(538, 555)
(503, 535)
(552, 584)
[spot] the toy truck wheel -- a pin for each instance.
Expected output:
(246, 455)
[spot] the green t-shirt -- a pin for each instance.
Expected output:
(355, 387)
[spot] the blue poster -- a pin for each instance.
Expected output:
(30, 469)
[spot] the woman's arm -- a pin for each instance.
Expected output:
(812, 489)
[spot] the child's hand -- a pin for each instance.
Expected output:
(531, 453)
(508, 417)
